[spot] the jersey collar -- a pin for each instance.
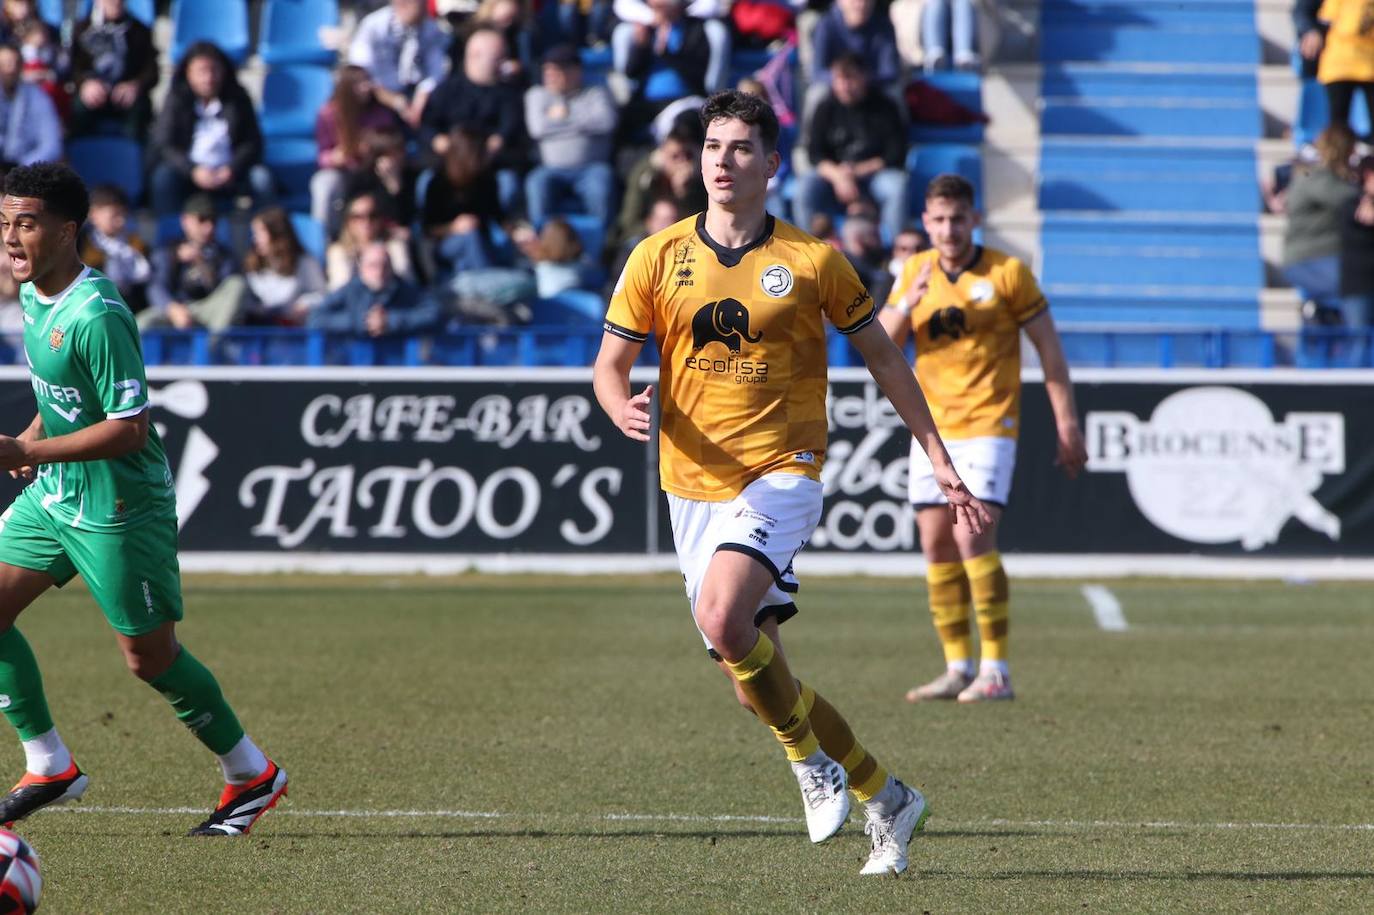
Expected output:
(954, 277)
(57, 299)
(729, 257)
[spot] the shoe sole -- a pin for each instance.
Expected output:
(974, 699)
(916, 698)
(73, 793)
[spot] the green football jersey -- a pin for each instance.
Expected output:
(86, 366)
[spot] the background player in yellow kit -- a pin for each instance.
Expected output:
(967, 304)
(737, 300)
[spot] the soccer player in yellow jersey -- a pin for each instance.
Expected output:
(736, 300)
(967, 305)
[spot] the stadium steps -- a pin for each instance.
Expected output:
(1149, 118)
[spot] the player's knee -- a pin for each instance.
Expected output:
(147, 665)
(732, 636)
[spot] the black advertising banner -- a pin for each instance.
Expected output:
(1229, 464)
(436, 462)
(400, 462)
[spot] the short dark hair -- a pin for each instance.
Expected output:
(109, 195)
(62, 191)
(950, 187)
(849, 60)
(741, 106)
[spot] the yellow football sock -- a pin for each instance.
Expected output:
(990, 595)
(950, 603)
(866, 776)
(772, 692)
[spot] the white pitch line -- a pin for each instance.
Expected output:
(1084, 825)
(1106, 608)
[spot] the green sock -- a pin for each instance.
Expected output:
(195, 696)
(21, 687)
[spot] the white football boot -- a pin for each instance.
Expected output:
(825, 794)
(892, 834)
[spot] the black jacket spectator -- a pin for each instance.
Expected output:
(112, 53)
(486, 110)
(853, 133)
(689, 59)
(445, 203)
(175, 281)
(170, 142)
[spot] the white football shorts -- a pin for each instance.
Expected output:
(985, 465)
(771, 520)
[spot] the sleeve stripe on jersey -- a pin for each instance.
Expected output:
(861, 323)
(624, 332)
(125, 414)
(1036, 310)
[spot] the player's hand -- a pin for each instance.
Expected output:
(1073, 454)
(634, 415)
(963, 507)
(14, 457)
(920, 285)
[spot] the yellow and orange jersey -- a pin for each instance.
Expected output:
(968, 341)
(741, 343)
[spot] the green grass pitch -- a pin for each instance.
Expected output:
(551, 744)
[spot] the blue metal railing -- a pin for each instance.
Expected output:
(564, 345)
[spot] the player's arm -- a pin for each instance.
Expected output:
(888, 367)
(103, 441)
(906, 294)
(611, 381)
(1072, 454)
(31, 434)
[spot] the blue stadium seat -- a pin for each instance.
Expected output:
(290, 31)
(964, 88)
(291, 98)
(574, 306)
(50, 11)
(142, 10)
(109, 160)
(311, 235)
(224, 22)
(292, 162)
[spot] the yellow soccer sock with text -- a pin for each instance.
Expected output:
(950, 606)
(772, 692)
(988, 581)
(866, 776)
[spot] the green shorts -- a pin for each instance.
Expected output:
(133, 574)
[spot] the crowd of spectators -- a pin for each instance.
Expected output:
(1327, 192)
(467, 165)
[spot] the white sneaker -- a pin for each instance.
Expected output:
(892, 834)
(825, 794)
(989, 686)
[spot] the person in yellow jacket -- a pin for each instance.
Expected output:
(1346, 60)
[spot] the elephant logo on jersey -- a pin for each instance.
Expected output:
(725, 322)
(948, 322)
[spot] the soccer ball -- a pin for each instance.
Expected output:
(21, 882)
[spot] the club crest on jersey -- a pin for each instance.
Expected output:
(981, 292)
(55, 339)
(726, 321)
(776, 281)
